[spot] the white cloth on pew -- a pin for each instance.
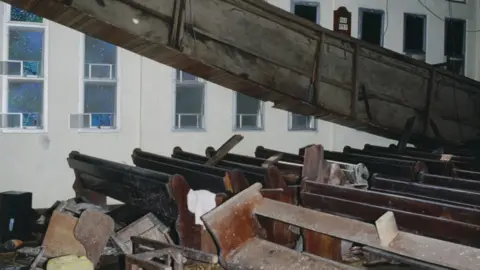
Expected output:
(200, 202)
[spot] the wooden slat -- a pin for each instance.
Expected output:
(406, 244)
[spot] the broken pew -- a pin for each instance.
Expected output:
(387, 166)
(428, 192)
(140, 187)
(190, 170)
(247, 250)
(190, 233)
(252, 173)
(415, 153)
(409, 204)
(414, 222)
(435, 166)
(448, 182)
(254, 161)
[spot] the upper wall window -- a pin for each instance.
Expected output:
(20, 15)
(414, 33)
(371, 26)
(24, 96)
(99, 85)
(307, 10)
(455, 30)
(189, 101)
(249, 112)
(301, 122)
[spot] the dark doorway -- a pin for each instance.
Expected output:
(307, 10)
(414, 33)
(455, 44)
(371, 26)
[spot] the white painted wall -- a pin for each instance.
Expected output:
(37, 161)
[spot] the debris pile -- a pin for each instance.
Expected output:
(316, 209)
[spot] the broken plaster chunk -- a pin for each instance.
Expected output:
(200, 202)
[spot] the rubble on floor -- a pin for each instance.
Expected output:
(376, 208)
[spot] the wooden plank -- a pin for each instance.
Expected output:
(275, 61)
(224, 149)
(406, 244)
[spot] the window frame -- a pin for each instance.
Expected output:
(293, 3)
(83, 81)
(417, 15)
(199, 81)
(464, 47)
(291, 128)
(37, 26)
(363, 10)
(262, 116)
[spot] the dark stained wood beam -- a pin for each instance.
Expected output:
(260, 50)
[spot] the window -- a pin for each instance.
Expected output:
(99, 108)
(189, 101)
(414, 33)
(24, 97)
(371, 26)
(455, 44)
(249, 112)
(301, 122)
(307, 10)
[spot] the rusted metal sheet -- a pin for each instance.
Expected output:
(424, 207)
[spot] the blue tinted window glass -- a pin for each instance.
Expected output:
(20, 15)
(26, 98)
(27, 46)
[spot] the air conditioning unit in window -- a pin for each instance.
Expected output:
(92, 121)
(99, 71)
(455, 64)
(417, 56)
(26, 120)
(20, 68)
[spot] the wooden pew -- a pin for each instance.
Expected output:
(246, 251)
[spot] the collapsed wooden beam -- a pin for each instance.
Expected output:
(263, 51)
